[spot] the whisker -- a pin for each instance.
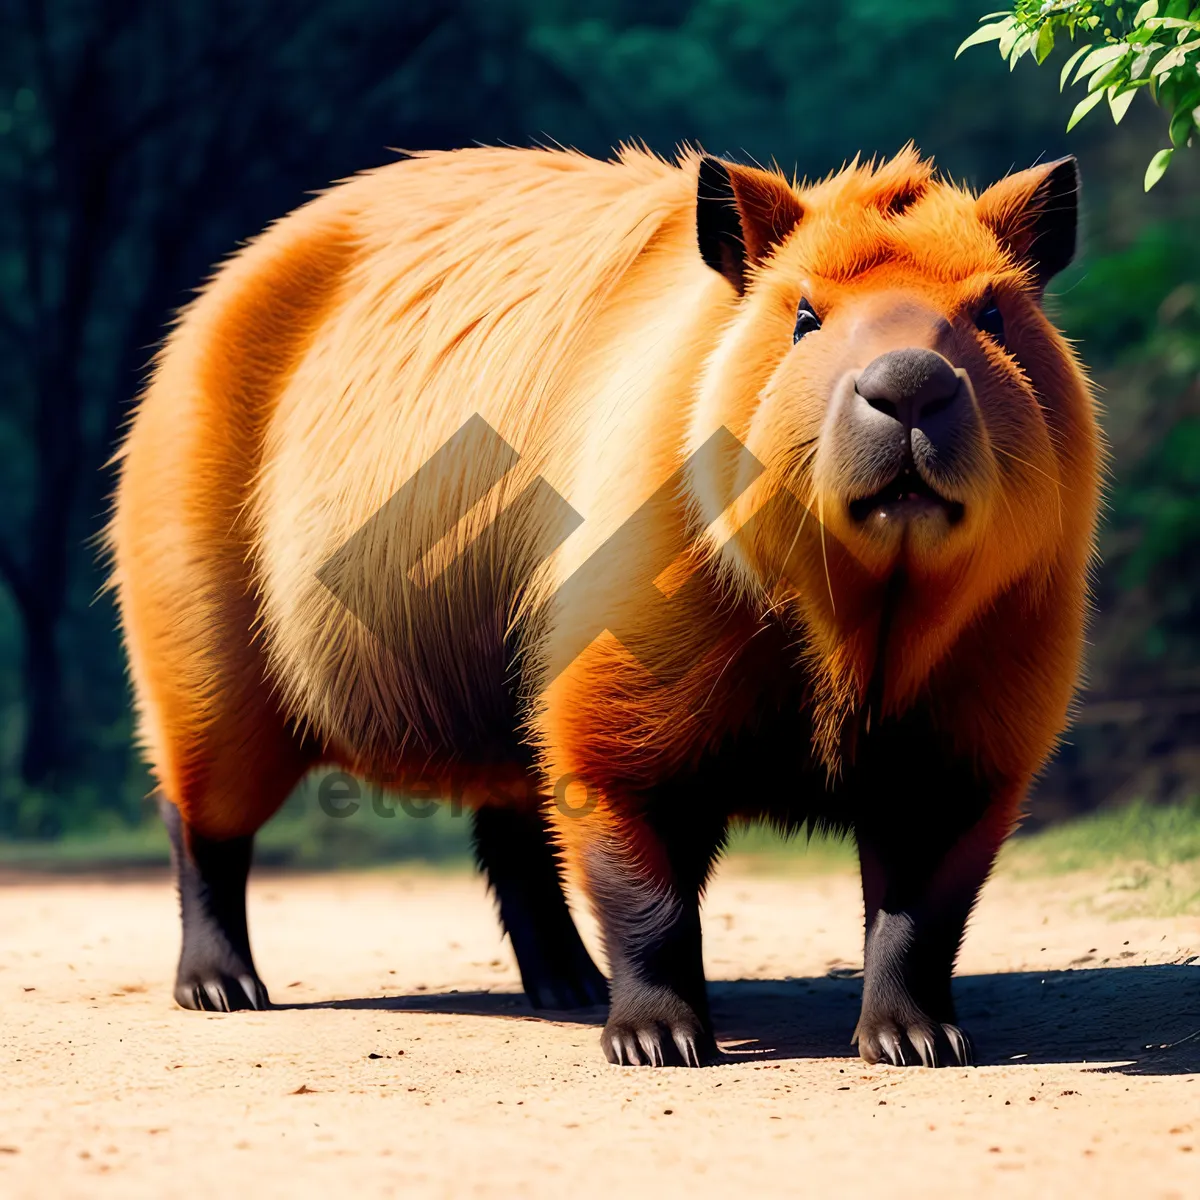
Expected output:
(786, 559)
(800, 464)
(824, 556)
(1045, 474)
(1016, 458)
(1012, 516)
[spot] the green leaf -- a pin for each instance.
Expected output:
(1009, 38)
(1099, 58)
(1176, 57)
(1141, 61)
(1109, 75)
(1084, 107)
(1119, 102)
(985, 33)
(1157, 167)
(1168, 62)
(1066, 71)
(1023, 45)
(1149, 9)
(1182, 127)
(1169, 23)
(1045, 43)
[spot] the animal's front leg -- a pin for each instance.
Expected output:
(216, 971)
(919, 885)
(644, 876)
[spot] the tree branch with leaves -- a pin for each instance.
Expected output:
(1124, 48)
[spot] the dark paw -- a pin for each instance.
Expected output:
(582, 988)
(657, 1044)
(658, 1035)
(912, 1041)
(215, 991)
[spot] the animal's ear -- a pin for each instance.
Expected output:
(742, 213)
(1034, 213)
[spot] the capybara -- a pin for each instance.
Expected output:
(626, 500)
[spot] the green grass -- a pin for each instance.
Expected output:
(762, 851)
(1148, 855)
(142, 846)
(1155, 835)
(301, 836)
(1145, 858)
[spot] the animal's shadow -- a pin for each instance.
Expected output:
(1133, 1020)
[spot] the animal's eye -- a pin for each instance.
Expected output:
(991, 321)
(807, 321)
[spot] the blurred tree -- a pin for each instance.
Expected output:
(1136, 312)
(783, 79)
(140, 141)
(137, 142)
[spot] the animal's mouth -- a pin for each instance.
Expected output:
(908, 495)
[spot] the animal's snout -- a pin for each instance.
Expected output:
(904, 437)
(919, 390)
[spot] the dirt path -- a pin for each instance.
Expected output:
(403, 1064)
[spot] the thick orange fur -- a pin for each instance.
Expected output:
(564, 300)
(314, 374)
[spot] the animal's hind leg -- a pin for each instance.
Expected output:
(216, 969)
(513, 848)
(220, 784)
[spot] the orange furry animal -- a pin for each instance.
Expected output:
(677, 489)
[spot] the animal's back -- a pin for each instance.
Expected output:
(545, 292)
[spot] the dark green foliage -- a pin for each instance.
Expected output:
(140, 141)
(1136, 313)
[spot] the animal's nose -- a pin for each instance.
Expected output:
(913, 386)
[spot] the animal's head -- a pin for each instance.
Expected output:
(928, 436)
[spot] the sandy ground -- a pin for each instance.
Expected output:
(402, 1061)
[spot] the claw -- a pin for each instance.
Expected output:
(255, 993)
(892, 1049)
(960, 1045)
(686, 1045)
(216, 993)
(632, 1054)
(924, 1045)
(651, 1046)
(611, 1052)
